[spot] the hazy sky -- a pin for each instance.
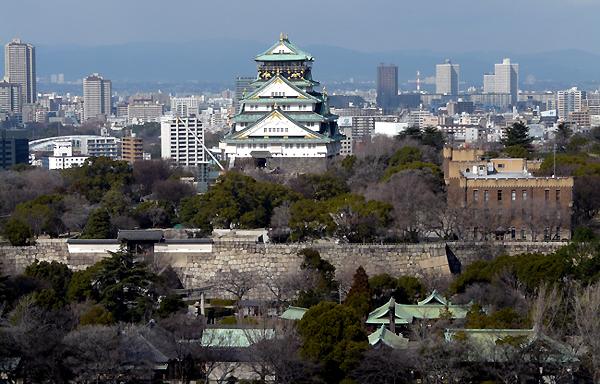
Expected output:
(378, 25)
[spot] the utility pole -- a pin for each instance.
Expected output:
(554, 174)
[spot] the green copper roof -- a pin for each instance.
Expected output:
(434, 297)
(283, 43)
(293, 313)
(234, 337)
(249, 98)
(300, 116)
(382, 335)
(405, 313)
(487, 347)
(236, 136)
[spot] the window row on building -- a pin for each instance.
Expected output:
(513, 195)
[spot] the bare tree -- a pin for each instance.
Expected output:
(96, 353)
(586, 310)
(277, 358)
(411, 197)
(237, 283)
(385, 366)
(77, 213)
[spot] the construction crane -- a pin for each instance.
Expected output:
(205, 149)
(402, 113)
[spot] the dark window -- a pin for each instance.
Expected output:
(558, 195)
(475, 195)
(500, 195)
(547, 195)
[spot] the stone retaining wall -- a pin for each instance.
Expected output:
(430, 260)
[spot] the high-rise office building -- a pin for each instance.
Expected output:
(242, 84)
(14, 148)
(387, 86)
(97, 100)
(570, 101)
(19, 64)
(446, 78)
(10, 97)
(506, 79)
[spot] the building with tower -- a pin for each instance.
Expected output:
(446, 78)
(284, 120)
(97, 97)
(19, 64)
(387, 86)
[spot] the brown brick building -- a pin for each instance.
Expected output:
(502, 198)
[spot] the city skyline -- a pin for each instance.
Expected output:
(520, 27)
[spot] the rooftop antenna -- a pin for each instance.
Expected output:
(418, 80)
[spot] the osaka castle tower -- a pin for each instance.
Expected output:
(283, 123)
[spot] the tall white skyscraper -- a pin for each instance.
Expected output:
(19, 65)
(446, 78)
(97, 99)
(506, 79)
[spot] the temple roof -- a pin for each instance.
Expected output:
(283, 50)
(298, 116)
(293, 313)
(488, 344)
(309, 135)
(234, 337)
(382, 335)
(254, 96)
(434, 298)
(430, 308)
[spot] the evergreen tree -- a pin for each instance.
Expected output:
(359, 296)
(98, 226)
(517, 134)
(17, 231)
(333, 337)
(324, 286)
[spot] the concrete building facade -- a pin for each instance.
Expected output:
(446, 78)
(97, 97)
(181, 138)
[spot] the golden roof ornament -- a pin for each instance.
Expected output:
(275, 106)
(281, 36)
(324, 90)
(286, 36)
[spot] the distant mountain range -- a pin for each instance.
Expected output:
(224, 59)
